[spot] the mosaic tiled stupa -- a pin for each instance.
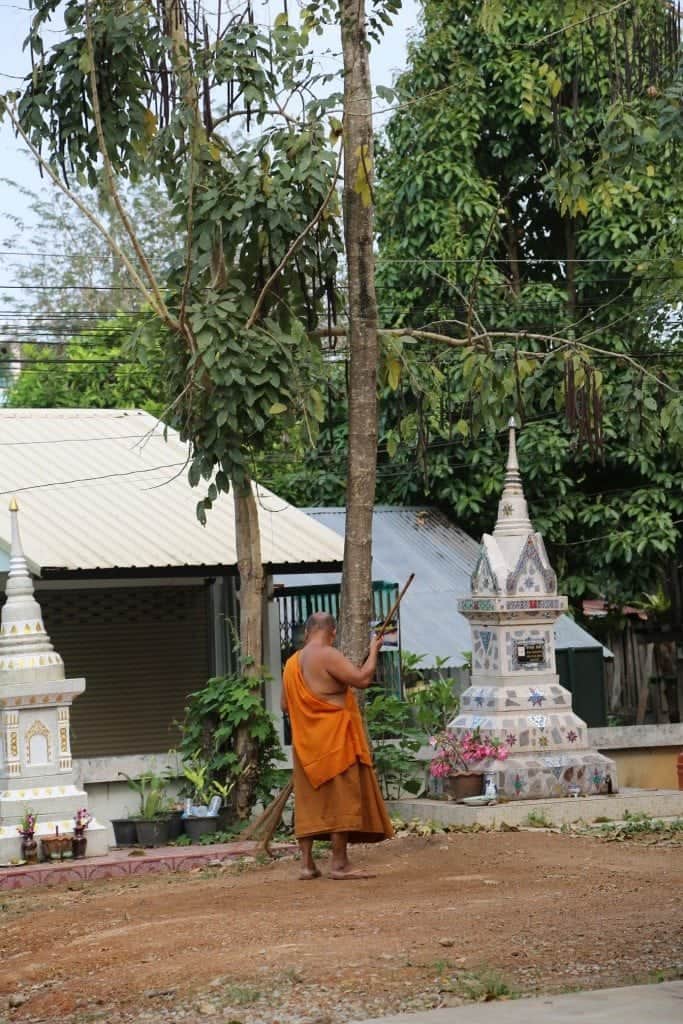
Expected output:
(35, 752)
(515, 693)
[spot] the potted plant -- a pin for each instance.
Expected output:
(125, 831)
(26, 829)
(198, 822)
(175, 821)
(457, 753)
(152, 821)
(79, 840)
(226, 814)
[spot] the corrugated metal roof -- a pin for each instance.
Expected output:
(443, 557)
(103, 489)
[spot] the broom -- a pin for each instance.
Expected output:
(263, 828)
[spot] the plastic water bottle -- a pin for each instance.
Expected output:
(490, 789)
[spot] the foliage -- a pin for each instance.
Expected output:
(636, 824)
(457, 752)
(537, 819)
(433, 699)
(151, 788)
(197, 775)
(535, 168)
(141, 90)
(212, 720)
(395, 741)
(235, 355)
(482, 986)
(604, 278)
(96, 372)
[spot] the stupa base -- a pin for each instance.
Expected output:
(534, 776)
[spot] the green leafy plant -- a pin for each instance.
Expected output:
(434, 702)
(182, 840)
(395, 742)
(195, 773)
(151, 788)
(209, 732)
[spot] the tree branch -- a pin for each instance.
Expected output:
(159, 304)
(480, 341)
(95, 221)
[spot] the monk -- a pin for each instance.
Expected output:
(336, 795)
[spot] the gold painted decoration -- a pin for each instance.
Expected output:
(38, 728)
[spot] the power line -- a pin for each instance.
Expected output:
(92, 479)
(69, 287)
(388, 259)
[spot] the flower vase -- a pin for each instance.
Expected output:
(79, 843)
(29, 849)
(458, 785)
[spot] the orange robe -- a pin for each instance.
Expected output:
(335, 789)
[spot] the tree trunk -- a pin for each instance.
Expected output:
(247, 530)
(252, 581)
(356, 597)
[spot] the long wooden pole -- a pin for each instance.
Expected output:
(394, 608)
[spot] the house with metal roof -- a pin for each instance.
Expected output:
(137, 596)
(443, 557)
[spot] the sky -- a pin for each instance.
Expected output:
(17, 165)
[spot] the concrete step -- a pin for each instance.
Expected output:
(658, 803)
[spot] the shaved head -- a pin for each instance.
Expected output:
(320, 621)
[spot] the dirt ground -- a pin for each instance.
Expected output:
(449, 917)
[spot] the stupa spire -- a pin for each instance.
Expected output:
(25, 647)
(513, 514)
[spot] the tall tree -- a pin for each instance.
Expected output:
(356, 597)
(147, 91)
(507, 129)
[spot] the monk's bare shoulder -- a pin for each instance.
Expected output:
(343, 670)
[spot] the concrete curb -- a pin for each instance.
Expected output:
(634, 1004)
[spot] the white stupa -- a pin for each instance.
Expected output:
(35, 750)
(516, 694)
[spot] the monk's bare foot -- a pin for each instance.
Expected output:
(307, 873)
(348, 872)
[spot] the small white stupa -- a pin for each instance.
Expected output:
(516, 694)
(35, 751)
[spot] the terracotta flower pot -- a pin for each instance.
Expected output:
(458, 785)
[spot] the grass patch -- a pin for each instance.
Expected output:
(537, 819)
(639, 824)
(483, 986)
(241, 995)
